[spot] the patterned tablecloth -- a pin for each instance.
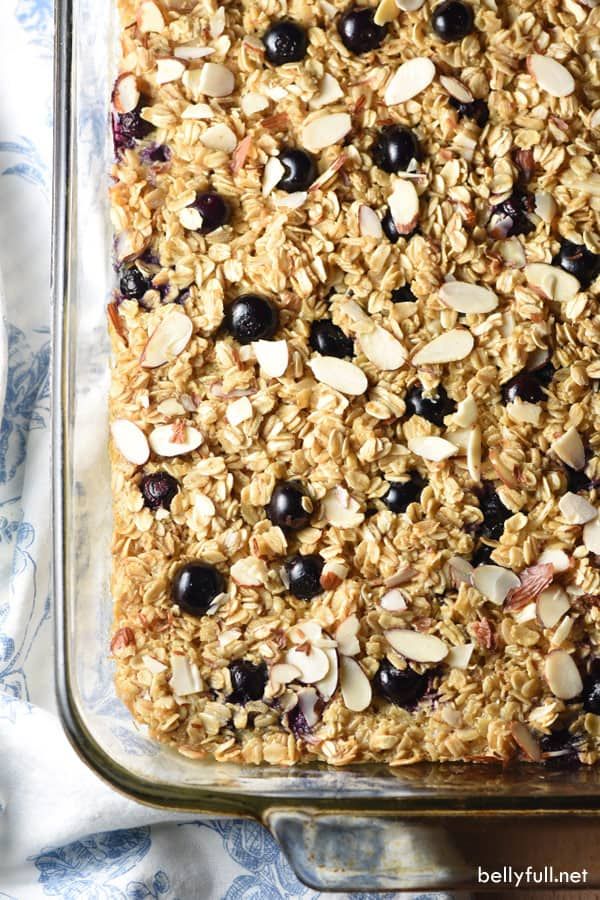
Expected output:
(62, 832)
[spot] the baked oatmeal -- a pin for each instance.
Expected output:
(356, 360)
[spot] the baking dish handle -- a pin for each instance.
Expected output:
(330, 852)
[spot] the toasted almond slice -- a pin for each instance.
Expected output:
(545, 206)
(249, 571)
(393, 600)
(283, 673)
(204, 506)
(356, 687)
(417, 646)
(326, 686)
(126, 94)
(272, 174)
(170, 338)
(197, 111)
(533, 580)
(168, 440)
(346, 636)
(386, 11)
(369, 223)
(312, 663)
(558, 559)
(523, 412)
(273, 357)
(527, 613)
(459, 656)
(307, 702)
(252, 102)
(333, 573)
(130, 441)
(576, 510)
(562, 675)
(468, 298)
(185, 676)
(403, 203)
(339, 374)
(169, 69)
(552, 281)
(154, 665)
(474, 454)
(409, 79)
(190, 51)
(341, 510)
(495, 583)
(466, 412)
(149, 17)
(561, 632)
(239, 411)
(216, 23)
(382, 349)
(432, 448)
(190, 218)
(461, 570)
(325, 131)
(460, 437)
(525, 740)
(551, 605)
(410, 5)
(216, 80)
(450, 346)
(219, 137)
(591, 535)
(513, 253)
(551, 76)
(569, 448)
(329, 92)
(291, 201)
(402, 576)
(456, 89)
(355, 312)
(309, 630)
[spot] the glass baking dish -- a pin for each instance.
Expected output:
(363, 828)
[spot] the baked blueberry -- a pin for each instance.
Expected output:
(300, 170)
(578, 481)
(128, 128)
(389, 228)
(285, 42)
(248, 681)
(214, 209)
(578, 261)
(523, 386)
(289, 506)
(403, 295)
(330, 340)
(404, 687)
(251, 318)
(394, 148)
(304, 573)
(358, 30)
(158, 489)
(494, 513)
(433, 408)
(477, 110)
(510, 217)
(591, 689)
(482, 555)
(452, 20)
(195, 586)
(401, 493)
(559, 749)
(155, 153)
(133, 284)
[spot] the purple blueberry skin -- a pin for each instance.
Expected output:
(128, 129)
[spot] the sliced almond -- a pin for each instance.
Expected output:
(341, 510)
(545, 206)
(456, 89)
(562, 675)
(339, 374)
(307, 703)
(292, 201)
(197, 111)
(191, 51)
(126, 94)
(252, 103)
(273, 357)
(460, 438)
(185, 676)
(169, 440)
(203, 506)
(558, 559)
(219, 137)
(576, 510)
(409, 79)
(551, 605)
(168, 340)
(523, 412)
(329, 92)
(149, 17)
(239, 411)
(326, 686)
(410, 5)
(393, 600)
(325, 131)
(283, 673)
(461, 570)
(432, 447)
(569, 448)
(402, 576)
(526, 741)
(154, 665)
(333, 573)
(533, 580)
(551, 76)
(216, 23)
(459, 656)
(346, 636)
(130, 441)
(216, 80)
(495, 583)
(466, 412)
(527, 613)
(190, 218)
(561, 632)
(474, 454)
(310, 631)
(591, 535)
(272, 175)
(468, 298)
(552, 281)
(382, 349)
(403, 203)
(169, 69)
(448, 347)
(387, 11)
(417, 646)
(369, 223)
(249, 571)
(513, 253)
(312, 663)
(356, 687)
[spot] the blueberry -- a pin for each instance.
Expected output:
(214, 209)
(248, 681)
(404, 687)
(251, 318)
(394, 148)
(300, 170)
(524, 386)
(389, 229)
(304, 574)
(591, 689)
(132, 284)
(452, 20)
(285, 42)
(158, 489)
(431, 408)
(358, 30)
(578, 481)
(195, 586)
(545, 373)
(128, 128)
(494, 513)
(287, 506)
(515, 208)
(477, 110)
(560, 745)
(403, 295)
(578, 261)
(482, 555)
(155, 153)
(297, 723)
(330, 340)
(401, 493)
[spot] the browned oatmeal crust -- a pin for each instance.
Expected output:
(506, 650)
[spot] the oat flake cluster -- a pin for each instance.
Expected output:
(354, 404)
